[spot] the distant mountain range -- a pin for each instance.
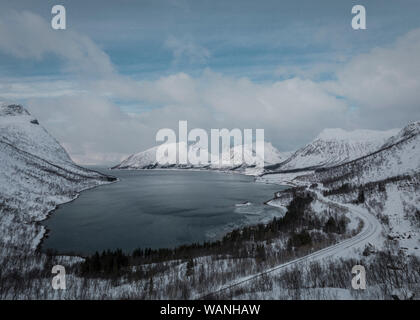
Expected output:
(331, 147)
(147, 159)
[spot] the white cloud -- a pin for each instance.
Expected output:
(383, 85)
(27, 35)
(37, 87)
(214, 100)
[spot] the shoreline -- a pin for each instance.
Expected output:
(227, 171)
(45, 231)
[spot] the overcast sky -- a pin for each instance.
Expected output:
(124, 69)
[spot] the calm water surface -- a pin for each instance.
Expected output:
(158, 209)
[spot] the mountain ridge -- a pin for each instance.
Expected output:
(332, 147)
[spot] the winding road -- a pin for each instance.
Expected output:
(370, 231)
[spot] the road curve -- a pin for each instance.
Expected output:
(370, 231)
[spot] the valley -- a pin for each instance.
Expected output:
(353, 199)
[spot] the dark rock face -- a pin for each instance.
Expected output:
(13, 110)
(35, 122)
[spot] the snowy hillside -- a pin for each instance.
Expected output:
(408, 131)
(400, 155)
(387, 183)
(335, 146)
(36, 175)
(20, 129)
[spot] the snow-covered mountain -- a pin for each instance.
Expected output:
(248, 151)
(36, 175)
(385, 183)
(20, 129)
(147, 159)
(408, 131)
(331, 147)
(335, 146)
(400, 155)
(389, 180)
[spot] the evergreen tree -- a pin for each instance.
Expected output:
(151, 286)
(361, 197)
(190, 268)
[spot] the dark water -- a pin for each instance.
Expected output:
(158, 209)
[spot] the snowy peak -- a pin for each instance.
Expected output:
(399, 158)
(36, 175)
(407, 132)
(411, 129)
(20, 129)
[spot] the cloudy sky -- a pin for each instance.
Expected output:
(124, 69)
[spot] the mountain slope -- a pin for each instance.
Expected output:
(408, 131)
(36, 175)
(387, 183)
(335, 146)
(20, 129)
(400, 155)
